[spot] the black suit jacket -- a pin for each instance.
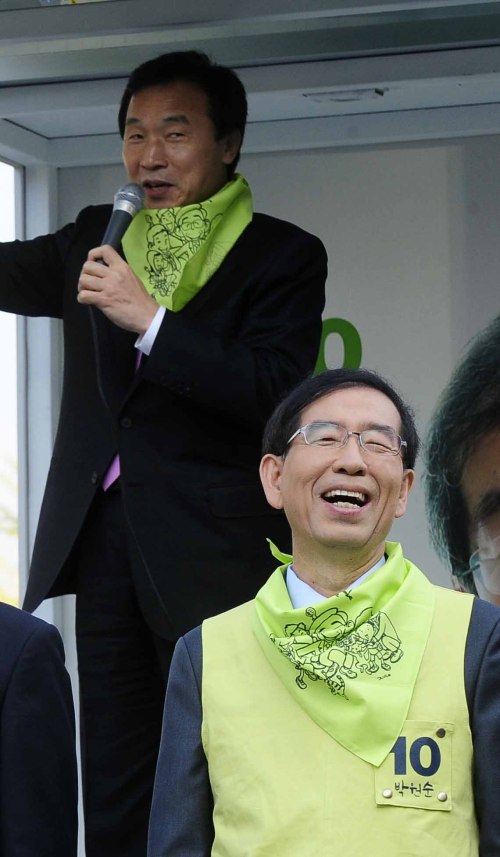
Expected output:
(38, 781)
(187, 425)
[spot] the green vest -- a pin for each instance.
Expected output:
(283, 787)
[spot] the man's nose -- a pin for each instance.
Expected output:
(153, 154)
(349, 458)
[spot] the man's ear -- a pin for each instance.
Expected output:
(407, 481)
(270, 471)
(232, 143)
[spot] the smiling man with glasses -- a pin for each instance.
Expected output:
(351, 707)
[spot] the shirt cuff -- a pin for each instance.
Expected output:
(145, 342)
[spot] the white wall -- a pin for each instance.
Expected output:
(411, 237)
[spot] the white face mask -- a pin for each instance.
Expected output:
(485, 563)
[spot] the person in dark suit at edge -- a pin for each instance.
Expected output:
(38, 780)
(176, 351)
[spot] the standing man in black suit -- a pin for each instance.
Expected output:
(38, 782)
(223, 307)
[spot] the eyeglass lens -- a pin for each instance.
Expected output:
(373, 440)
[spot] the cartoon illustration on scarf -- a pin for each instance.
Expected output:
(333, 648)
(173, 237)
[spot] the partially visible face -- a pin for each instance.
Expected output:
(487, 578)
(481, 492)
(340, 499)
(170, 146)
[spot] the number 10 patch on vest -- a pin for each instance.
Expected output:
(417, 771)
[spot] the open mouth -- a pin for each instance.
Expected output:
(151, 185)
(345, 499)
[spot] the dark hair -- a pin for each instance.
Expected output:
(227, 101)
(467, 410)
(287, 417)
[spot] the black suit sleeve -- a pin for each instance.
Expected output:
(32, 274)
(38, 779)
(181, 817)
(482, 681)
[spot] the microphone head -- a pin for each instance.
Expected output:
(129, 198)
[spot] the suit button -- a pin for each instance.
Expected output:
(126, 422)
(94, 478)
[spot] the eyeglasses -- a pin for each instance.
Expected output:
(484, 566)
(381, 441)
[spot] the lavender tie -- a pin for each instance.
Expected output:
(113, 470)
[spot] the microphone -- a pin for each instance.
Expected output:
(128, 200)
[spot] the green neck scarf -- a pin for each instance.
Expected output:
(351, 662)
(175, 251)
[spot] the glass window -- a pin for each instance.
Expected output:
(9, 582)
